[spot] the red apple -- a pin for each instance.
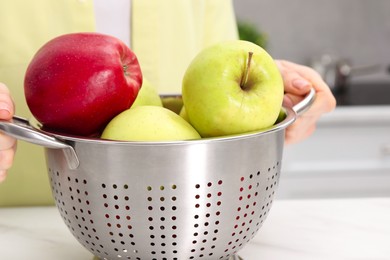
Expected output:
(76, 83)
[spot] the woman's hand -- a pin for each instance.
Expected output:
(298, 80)
(7, 143)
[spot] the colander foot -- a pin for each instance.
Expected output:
(236, 257)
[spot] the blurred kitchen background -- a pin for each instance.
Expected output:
(303, 30)
(348, 43)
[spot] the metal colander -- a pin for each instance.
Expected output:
(201, 199)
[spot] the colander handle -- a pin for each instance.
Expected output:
(21, 129)
(305, 104)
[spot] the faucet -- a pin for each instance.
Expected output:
(336, 71)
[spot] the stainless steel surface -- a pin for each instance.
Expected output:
(190, 200)
(201, 199)
(20, 128)
(305, 104)
(234, 257)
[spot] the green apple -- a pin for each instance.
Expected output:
(148, 95)
(232, 87)
(183, 114)
(149, 123)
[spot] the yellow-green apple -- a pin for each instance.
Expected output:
(149, 123)
(232, 87)
(76, 83)
(148, 95)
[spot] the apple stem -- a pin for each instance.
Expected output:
(125, 69)
(244, 79)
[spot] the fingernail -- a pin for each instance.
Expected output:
(5, 110)
(300, 83)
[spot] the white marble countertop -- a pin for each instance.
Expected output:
(347, 115)
(295, 229)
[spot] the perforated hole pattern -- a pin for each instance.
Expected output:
(114, 222)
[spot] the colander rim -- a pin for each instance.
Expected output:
(291, 116)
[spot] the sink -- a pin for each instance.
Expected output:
(363, 94)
